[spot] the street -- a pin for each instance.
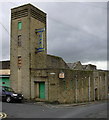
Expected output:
(40, 110)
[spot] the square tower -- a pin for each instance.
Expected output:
(28, 46)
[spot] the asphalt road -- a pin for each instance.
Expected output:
(39, 110)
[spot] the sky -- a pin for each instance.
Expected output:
(76, 31)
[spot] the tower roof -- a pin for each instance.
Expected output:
(27, 6)
(28, 10)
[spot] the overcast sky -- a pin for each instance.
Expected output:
(76, 31)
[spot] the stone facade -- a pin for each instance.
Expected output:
(21, 75)
(55, 62)
(35, 74)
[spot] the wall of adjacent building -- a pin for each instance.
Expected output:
(77, 86)
(55, 62)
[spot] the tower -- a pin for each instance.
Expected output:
(28, 46)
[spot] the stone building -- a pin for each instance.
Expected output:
(45, 77)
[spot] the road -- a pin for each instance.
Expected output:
(39, 110)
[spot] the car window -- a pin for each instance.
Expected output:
(8, 89)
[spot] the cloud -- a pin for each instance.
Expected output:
(79, 33)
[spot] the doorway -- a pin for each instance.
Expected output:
(96, 94)
(42, 90)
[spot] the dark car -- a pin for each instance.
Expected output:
(7, 94)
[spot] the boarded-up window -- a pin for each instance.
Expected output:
(19, 61)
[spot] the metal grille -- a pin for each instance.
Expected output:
(19, 14)
(38, 16)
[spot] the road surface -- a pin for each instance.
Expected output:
(39, 110)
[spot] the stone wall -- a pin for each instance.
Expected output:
(55, 62)
(77, 86)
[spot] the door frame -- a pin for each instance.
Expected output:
(37, 89)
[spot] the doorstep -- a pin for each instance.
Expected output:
(40, 100)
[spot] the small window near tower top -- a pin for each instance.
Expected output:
(19, 25)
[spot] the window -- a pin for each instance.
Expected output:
(19, 61)
(19, 25)
(8, 89)
(19, 40)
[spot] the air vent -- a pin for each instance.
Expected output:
(38, 16)
(19, 14)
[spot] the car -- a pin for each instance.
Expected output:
(7, 94)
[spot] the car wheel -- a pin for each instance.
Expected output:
(8, 99)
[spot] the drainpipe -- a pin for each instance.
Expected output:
(94, 88)
(98, 88)
(89, 89)
(106, 87)
(76, 91)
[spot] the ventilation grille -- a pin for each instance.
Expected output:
(19, 14)
(38, 16)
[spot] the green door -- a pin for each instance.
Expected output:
(5, 82)
(42, 90)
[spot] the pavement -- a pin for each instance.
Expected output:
(68, 105)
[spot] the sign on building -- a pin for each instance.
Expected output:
(39, 33)
(61, 75)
